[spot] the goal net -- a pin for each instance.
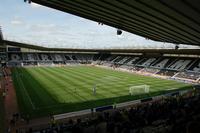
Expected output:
(139, 89)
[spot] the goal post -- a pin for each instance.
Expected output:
(139, 89)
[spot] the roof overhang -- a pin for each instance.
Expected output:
(149, 51)
(173, 21)
(1, 34)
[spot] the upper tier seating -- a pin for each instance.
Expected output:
(195, 66)
(15, 57)
(58, 57)
(146, 62)
(179, 64)
(30, 57)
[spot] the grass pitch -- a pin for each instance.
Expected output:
(52, 90)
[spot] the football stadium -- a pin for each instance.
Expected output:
(104, 66)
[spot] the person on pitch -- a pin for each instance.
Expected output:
(94, 90)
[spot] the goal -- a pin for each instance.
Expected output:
(139, 89)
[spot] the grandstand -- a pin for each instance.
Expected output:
(70, 90)
(186, 68)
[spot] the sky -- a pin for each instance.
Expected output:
(43, 26)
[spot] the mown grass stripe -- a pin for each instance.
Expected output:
(52, 90)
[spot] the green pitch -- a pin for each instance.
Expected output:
(52, 90)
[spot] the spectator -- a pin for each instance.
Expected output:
(193, 127)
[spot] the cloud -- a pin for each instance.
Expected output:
(34, 5)
(16, 22)
(43, 28)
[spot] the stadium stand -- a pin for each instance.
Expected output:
(167, 72)
(174, 67)
(150, 70)
(139, 118)
(188, 75)
(162, 63)
(178, 113)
